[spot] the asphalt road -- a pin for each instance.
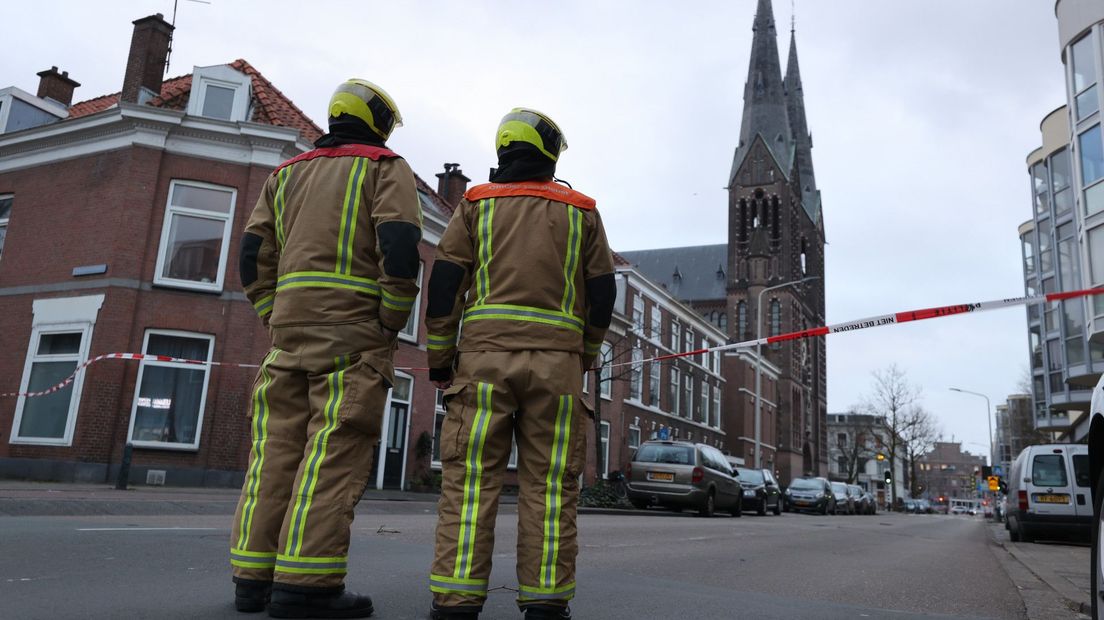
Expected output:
(791, 566)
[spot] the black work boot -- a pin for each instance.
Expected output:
(251, 596)
(547, 612)
(305, 602)
(458, 612)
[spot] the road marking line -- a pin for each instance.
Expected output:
(145, 529)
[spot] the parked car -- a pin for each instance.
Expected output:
(958, 510)
(809, 495)
(862, 502)
(909, 505)
(681, 474)
(923, 506)
(844, 502)
(1049, 492)
(871, 502)
(760, 494)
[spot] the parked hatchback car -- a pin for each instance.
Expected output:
(863, 503)
(844, 502)
(681, 474)
(1049, 492)
(760, 494)
(809, 495)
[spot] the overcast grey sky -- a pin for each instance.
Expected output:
(922, 114)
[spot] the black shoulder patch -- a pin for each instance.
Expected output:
(601, 293)
(247, 262)
(399, 244)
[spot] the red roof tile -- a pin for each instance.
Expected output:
(270, 106)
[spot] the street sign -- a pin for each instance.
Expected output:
(998, 471)
(994, 483)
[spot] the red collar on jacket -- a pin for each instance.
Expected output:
(540, 189)
(375, 153)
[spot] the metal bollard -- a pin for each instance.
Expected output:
(124, 468)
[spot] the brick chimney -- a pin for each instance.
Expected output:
(149, 48)
(56, 86)
(451, 184)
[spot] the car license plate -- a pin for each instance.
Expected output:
(661, 476)
(749, 493)
(801, 502)
(1057, 498)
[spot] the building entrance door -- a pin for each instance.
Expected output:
(389, 469)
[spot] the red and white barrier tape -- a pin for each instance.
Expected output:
(124, 356)
(849, 326)
(878, 321)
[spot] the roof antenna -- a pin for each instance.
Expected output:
(168, 55)
(793, 17)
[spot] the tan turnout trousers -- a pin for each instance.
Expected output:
(317, 406)
(532, 396)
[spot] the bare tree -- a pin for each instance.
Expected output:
(620, 351)
(920, 432)
(893, 401)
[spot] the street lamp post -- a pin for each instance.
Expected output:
(759, 362)
(988, 409)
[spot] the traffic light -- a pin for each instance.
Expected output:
(888, 477)
(986, 471)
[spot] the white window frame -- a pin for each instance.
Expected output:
(226, 77)
(655, 323)
(604, 437)
(166, 226)
(638, 314)
(655, 390)
(4, 221)
(438, 410)
(85, 329)
(676, 335)
(688, 394)
(143, 364)
(716, 422)
(636, 377)
(412, 337)
(605, 388)
(673, 380)
(633, 437)
(705, 402)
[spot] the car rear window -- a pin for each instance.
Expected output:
(678, 455)
(751, 476)
(1081, 470)
(1048, 470)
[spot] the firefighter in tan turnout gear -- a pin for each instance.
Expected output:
(329, 260)
(525, 266)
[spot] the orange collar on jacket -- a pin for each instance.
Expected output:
(540, 189)
(375, 153)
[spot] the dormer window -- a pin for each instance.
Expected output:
(220, 92)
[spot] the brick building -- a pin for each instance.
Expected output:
(120, 221)
(947, 471)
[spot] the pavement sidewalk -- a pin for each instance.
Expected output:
(1064, 566)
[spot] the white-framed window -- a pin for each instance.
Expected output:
(1090, 145)
(688, 395)
(705, 413)
(715, 422)
(673, 396)
(675, 335)
(638, 313)
(55, 352)
(6, 201)
(653, 384)
(636, 376)
(1083, 73)
(410, 330)
(606, 387)
(438, 420)
(717, 362)
(170, 397)
(195, 235)
(634, 437)
(657, 324)
(604, 465)
(688, 341)
(586, 382)
(220, 92)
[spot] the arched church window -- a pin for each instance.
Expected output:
(804, 266)
(741, 320)
(775, 319)
(775, 222)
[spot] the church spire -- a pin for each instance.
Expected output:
(803, 140)
(764, 96)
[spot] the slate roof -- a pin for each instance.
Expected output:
(270, 106)
(697, 268)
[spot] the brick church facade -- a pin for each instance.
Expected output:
(774, 253)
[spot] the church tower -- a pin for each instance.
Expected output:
(776, 242)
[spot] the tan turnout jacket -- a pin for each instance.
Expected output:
(334, 239)
(513, 267)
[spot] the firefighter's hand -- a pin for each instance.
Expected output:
(443, 385)
(441, 378)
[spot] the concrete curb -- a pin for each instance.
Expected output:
(1071, 596)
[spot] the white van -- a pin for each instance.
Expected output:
(1049, 493)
